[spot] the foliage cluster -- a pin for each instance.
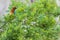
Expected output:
(31, 22)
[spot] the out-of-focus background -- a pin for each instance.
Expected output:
(4, 6)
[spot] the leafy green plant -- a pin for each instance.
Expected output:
(34, 22)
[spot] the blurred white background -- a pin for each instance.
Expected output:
(4, 6)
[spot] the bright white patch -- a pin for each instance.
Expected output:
(4, 4)
(58, 2)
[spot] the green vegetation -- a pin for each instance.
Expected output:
(33, 22)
